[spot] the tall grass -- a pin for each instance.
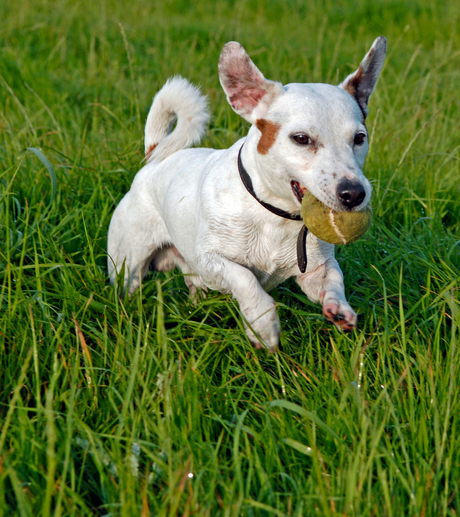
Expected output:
(155, 406)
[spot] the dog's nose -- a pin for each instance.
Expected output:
(350, 193)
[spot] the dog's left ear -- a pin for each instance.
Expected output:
(247, 90)
(361, 83)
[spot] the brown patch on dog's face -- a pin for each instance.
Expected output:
(149, 151)
(269, 132)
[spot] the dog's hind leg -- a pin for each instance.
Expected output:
(168, 258)
(136, 234)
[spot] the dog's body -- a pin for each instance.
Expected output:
(189, 208)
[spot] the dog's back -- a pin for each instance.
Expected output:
(181, 104)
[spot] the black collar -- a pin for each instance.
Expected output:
(247, 182)
(301, 239)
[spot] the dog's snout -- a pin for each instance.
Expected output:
(350, 193)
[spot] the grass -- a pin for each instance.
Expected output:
(154, 406)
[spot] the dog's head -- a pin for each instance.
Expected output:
(306, 136)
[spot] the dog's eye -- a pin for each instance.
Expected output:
(359, 138)
(301, 139)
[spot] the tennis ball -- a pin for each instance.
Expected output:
(331, 226)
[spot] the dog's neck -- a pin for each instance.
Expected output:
(247, 182)
(302, 238)
(268, 184)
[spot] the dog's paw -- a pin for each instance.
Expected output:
(197, 290)
(338, 312)
(263, 330)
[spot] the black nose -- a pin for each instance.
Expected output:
(350, 193)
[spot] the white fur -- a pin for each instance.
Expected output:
(188, 208)
(181, 102)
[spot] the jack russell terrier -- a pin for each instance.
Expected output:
(229, 219)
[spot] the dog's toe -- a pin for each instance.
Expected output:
(344, 318)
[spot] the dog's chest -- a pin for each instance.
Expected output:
(268, 250)
(273, 255)
(232, 223)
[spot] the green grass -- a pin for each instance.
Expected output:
(107, 405)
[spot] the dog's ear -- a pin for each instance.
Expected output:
(247, 90)
(361, 83)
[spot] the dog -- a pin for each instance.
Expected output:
(229, 219)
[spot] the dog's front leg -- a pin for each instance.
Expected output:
(322, 282)
(257, 307)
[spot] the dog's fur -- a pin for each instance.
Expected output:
(188, 208)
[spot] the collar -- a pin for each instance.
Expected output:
(301, 239)
(247, 182)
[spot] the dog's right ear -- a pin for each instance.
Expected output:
(247, 90)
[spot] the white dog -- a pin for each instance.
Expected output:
(229, 219)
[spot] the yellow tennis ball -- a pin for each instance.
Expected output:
(331, 226)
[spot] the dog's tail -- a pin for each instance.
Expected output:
(181, 104)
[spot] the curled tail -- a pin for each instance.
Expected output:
(180, 103)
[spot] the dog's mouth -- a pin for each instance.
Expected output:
(298, 189)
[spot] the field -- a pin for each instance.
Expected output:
(155, 406)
